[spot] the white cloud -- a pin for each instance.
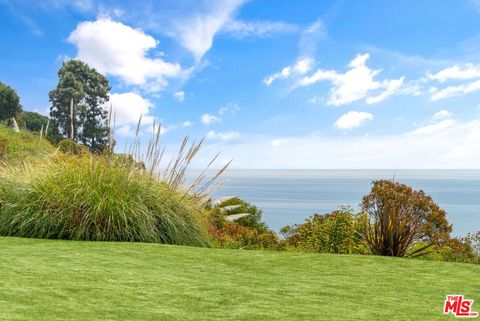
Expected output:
(241, 29)
(391, 87)
(128, 107)
(355, 84)
(124, 131)
(305, 60)
(453, 91)
(180, 96)
(195, 32)
(315, 100)
(154, 129)
(458, 146)
(224, 136)
(352, 119)
(119, 50)
(456, 72)
(187, 123)
(438, 127)
(208, 119)
(442, 114)
(278, 142)
(229, 108)
(301, 67)
(194, 24)
(310, 36)
(83, 5)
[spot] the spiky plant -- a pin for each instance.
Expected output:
(400, 217)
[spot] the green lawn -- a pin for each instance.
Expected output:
(66, 280)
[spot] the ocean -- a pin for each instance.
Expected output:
(289, 196)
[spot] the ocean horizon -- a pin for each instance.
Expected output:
(289, 196)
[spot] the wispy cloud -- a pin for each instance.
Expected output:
(179, 96)
(442, 114)
(310, 37)
(231, 108)
(242, 29)
(224, 136)
(301, 67)
(449, 145)
(196, 30)
(453, 91)
(434, 128)
(453, 75)
(187, 123)
(456, 72)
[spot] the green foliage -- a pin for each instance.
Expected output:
(248, 232)
(9, 102)
(36, 122)
(68, 146)
(96, 198)
(32, 121)
(457, 249)
(336, 232)
(401, 217)
(235, 236)
(89, 90)
(252, 220)
(22, 146)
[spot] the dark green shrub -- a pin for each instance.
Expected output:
(95, 198)
(9, 102)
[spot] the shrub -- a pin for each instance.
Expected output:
(95, 198)
(401, 217)
(458, 249)
(239, 206)
(233, 235)
(248, 232)
(336, 232)
(69, 146)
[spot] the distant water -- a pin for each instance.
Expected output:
(289, 196)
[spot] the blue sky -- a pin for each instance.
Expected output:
(270, 84)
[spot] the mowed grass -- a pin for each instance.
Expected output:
(70, 280)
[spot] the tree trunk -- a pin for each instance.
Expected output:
(72, 131)
(15, 125)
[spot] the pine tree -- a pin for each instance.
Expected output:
(88, 90)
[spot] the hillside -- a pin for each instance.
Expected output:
(67, 280)
(16, 147)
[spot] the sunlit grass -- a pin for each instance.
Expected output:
(69, 280)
